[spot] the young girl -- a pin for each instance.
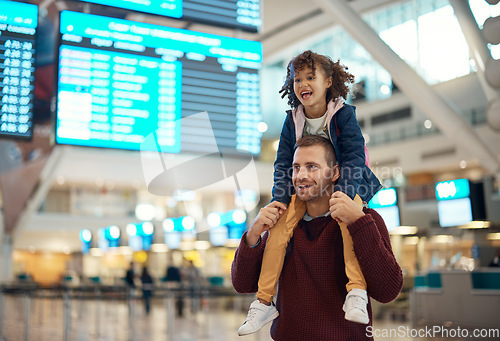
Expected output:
(316, 88)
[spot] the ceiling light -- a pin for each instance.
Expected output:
(188, 223)
(131, 230)
(441, 239)
(145, 212)
(262, 127)
(385, 89)
(159, 248)
(85, 236)
(148, 228)
(168, 225)
(404, 230)
(239, 216)
(213, 219)
(411, 240)
(476, 225)
(201, 245)
(493, 236)
(96, 252)
(114, 232)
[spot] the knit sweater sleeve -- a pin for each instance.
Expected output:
(245, 270)
(373, 250)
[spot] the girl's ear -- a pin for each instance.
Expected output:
(329, 81)
(335, 173)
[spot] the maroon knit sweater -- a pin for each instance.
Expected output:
(311, 288)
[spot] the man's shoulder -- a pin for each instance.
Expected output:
(371, 211)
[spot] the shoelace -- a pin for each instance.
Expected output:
(251, 314)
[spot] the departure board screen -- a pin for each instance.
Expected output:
(18, 23)
(241, 14)
(119, 81)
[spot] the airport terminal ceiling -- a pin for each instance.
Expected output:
(287, 27)
(284, 23)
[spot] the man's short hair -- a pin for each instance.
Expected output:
(316, 140)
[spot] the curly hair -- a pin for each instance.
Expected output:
(340, 77)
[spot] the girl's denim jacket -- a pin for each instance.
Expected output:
(349, 145)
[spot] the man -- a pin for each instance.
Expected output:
(496, 260)
(311, 288)
(130, 276)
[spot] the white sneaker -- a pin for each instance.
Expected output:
(258, 316)
(355, 306)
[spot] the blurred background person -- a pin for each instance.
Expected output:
(147, 289)
(192, 280)
(174, 281)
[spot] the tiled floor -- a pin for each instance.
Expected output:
(216, 320)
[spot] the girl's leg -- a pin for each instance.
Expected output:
(274, 253)
(355, 305)
(272, 263)
(352, 269)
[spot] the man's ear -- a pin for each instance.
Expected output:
(335, 173)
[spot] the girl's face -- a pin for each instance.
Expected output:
(310, 88)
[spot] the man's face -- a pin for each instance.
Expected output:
(312, 176)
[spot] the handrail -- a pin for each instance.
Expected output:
(76, 292)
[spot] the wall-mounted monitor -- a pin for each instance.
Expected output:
(119, 81)
(454, 212)
(239, 14)
(385, 203)
(460, 202)
(18, 24)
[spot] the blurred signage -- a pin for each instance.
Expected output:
(119, 81)
(18, 24)
(454, 189)
(385, 203)
(240, 14)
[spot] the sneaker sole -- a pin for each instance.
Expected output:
(354, 320)
(358, 321)
(269, 319)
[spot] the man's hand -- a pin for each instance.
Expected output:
(266, 219)
(343, 209)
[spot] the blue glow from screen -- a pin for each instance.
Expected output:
(19, 14)
(390, 214)
(171, 8)
(120, 81)
(241, 14)
(454, 189)
(173, 239)
(384, 198)
(454, 212)
(218, 235)
(139, 35)
(18, 23)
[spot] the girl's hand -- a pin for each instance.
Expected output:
(266, 219)
(343, 209)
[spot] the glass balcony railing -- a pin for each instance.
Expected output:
(413, 130)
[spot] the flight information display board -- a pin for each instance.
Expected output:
(241, 14)
(18, 23)
(119, 81)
